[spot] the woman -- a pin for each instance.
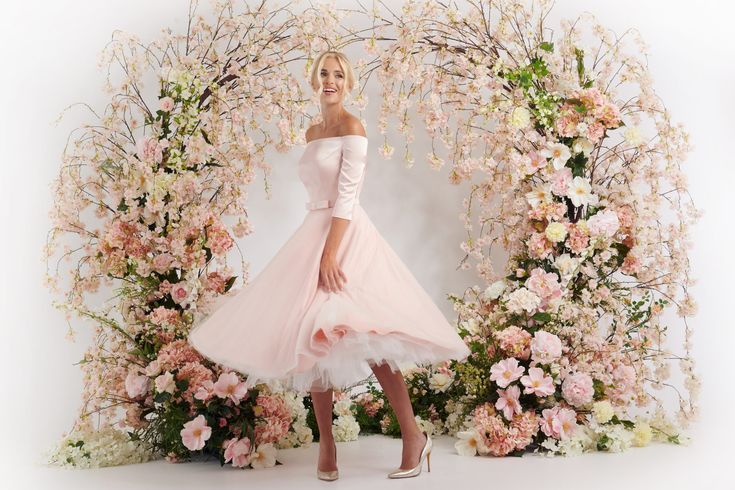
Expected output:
(335, 302)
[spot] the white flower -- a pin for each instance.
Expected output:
(469, 443)
(440, 382)
(539, 194)
(603, 411)
(565, 264)
(342, 407)
(522, 299)
(642, 434)
(580, 192)
(494, 290)
(520, 117)
(165, 383)
(556, 232)
(583, 145)
(558, 152)
(264, 456)
(471, 325)
(345, 428)
(633, 136)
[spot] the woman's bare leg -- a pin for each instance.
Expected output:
(322, 401)
(394, 387)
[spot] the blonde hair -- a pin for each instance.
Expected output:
(344, 63)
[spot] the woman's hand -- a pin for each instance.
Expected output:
(330, 274)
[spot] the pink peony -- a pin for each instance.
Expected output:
(538, 382)
(508, 401)
(604, 223)
(545, 347)
(195, 433)
(577, 389)
(577, 239)
(544, 284)
(506, 371)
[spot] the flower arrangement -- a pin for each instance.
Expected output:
(569, 178)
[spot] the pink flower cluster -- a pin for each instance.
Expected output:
(558, 422)
(369, 403)
(545, 285)
(499, 438)
(276, 419)
(514, 341)
(598, 114)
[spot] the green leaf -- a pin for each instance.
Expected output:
(547, 46)
(542, 317)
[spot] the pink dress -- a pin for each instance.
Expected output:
(285, 330)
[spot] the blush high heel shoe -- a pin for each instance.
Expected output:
(328, 475)
(416, 470)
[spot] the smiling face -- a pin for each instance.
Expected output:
(332, 78)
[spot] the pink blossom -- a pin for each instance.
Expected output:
(539, 246)
(506, 371)
(560, 181)
(577, 239)
(136, 385)
(578, 389)
(604, 223)
(180, 292)
(166, 104)
(162, 262)
(631, 264)
(229, 386)
(149, 150)
(535, 161)
(205, 391)
(595, 131)
(559, 423)
(544, 284)
(237, 451)
(195, 433)
(515, 342)
(508, 401)
(538, 383)
(545, 347)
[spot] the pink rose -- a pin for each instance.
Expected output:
(166, 104)
(136, 385)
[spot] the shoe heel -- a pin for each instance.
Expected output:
(428, 461)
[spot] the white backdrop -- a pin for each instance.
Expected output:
(49, 51)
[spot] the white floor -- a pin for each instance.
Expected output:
(366, 462)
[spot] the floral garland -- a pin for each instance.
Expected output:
(568, 339)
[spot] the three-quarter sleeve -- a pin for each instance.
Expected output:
(352, 167)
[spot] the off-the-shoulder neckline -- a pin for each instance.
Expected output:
(332, 137)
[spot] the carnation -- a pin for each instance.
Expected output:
(556, 232)
(603, 411)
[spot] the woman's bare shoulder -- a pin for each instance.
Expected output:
(353, 126)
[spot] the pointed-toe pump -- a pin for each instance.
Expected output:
(328, 475)
(416, 470)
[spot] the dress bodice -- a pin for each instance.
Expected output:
(333, 169)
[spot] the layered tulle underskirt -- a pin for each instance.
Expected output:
(286, 331)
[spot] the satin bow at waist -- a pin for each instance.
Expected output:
(324, 203)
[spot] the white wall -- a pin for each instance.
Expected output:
(49, 49)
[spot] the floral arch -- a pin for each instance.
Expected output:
(574, 165)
